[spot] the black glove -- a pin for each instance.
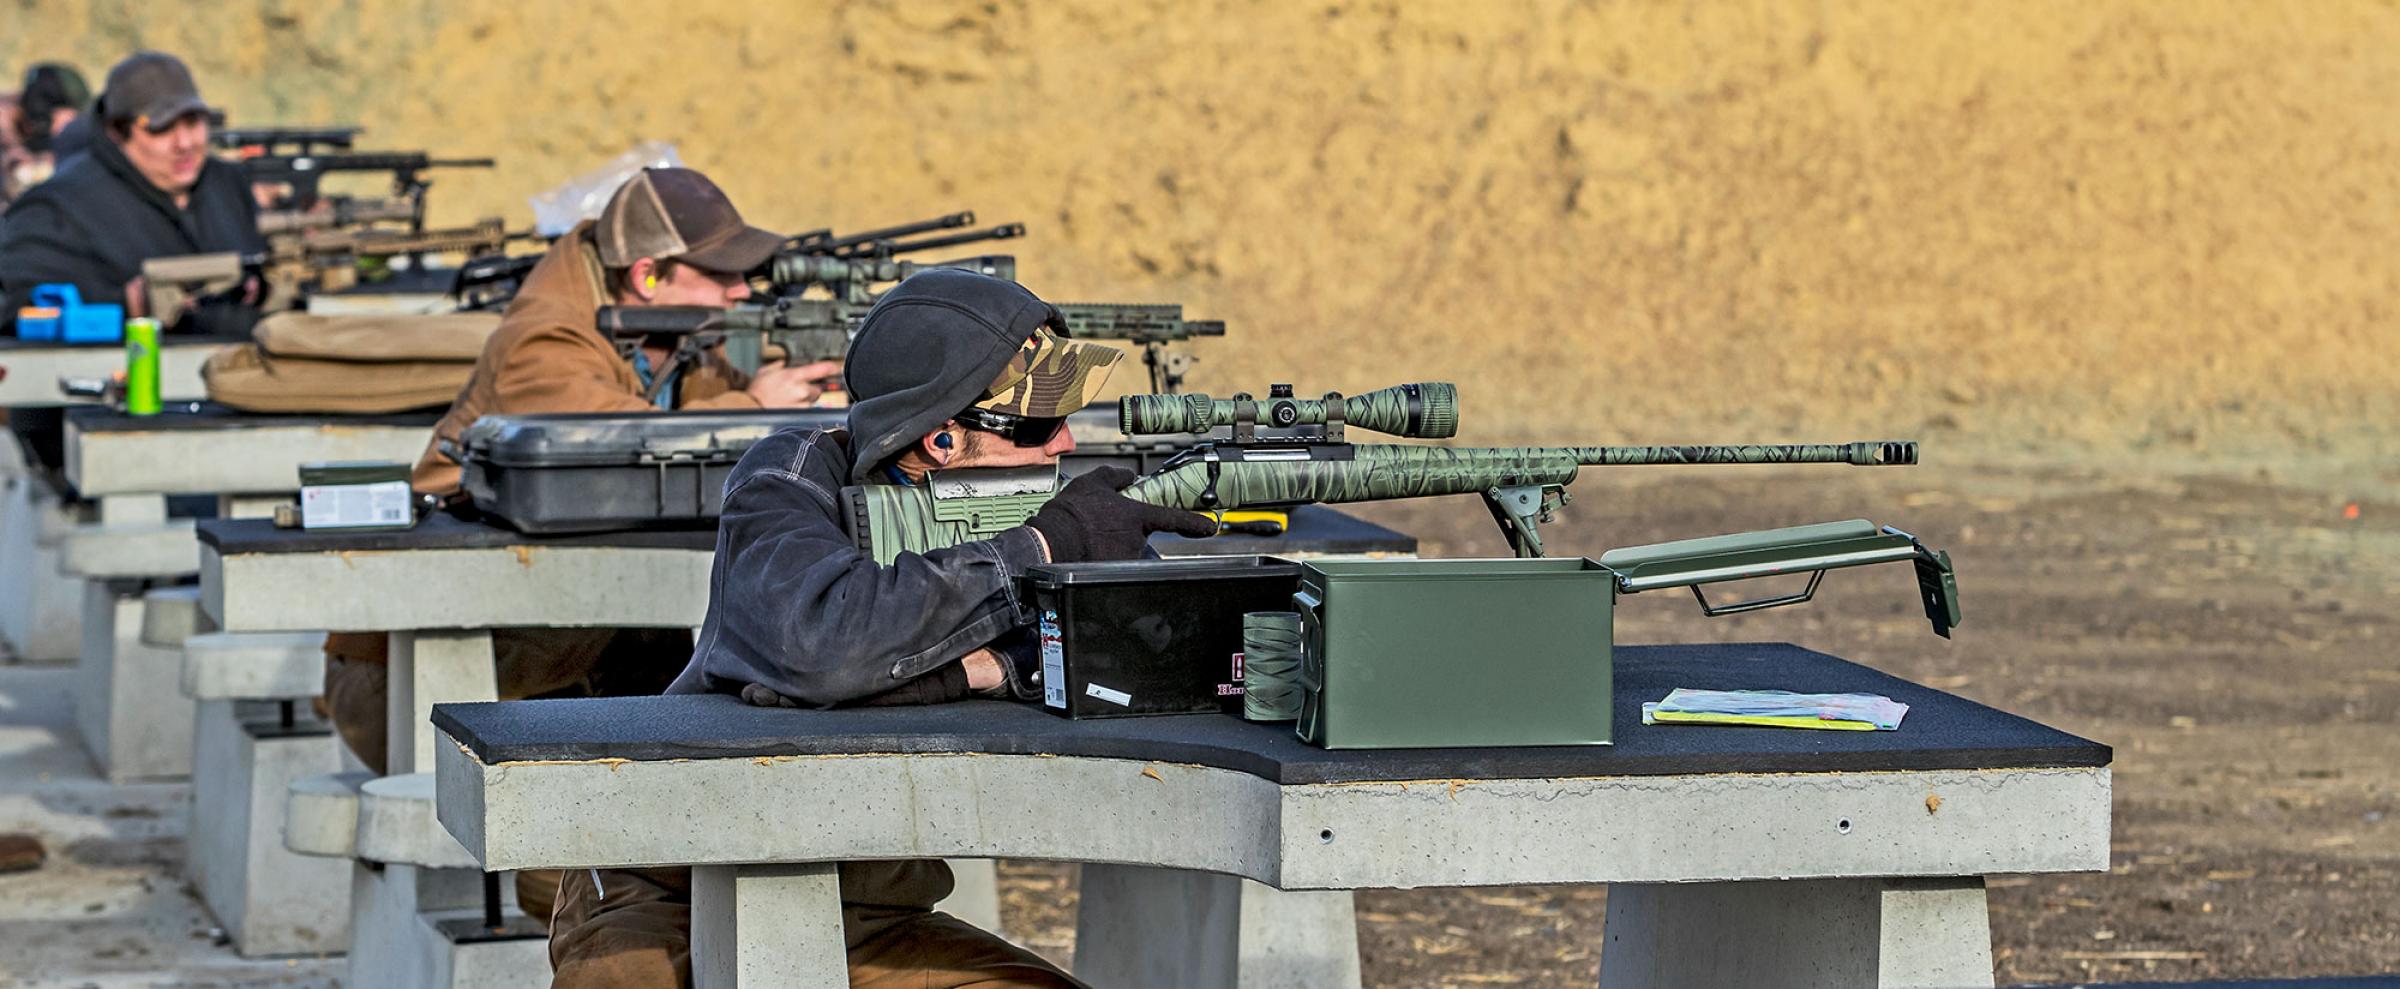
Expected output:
(1089, 520)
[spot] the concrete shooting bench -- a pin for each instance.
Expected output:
(1736, 856)
(40, 607)
(422, 914)
(133, 627)
(161, 693)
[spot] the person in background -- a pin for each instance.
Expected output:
(47, 124)
(147, 188)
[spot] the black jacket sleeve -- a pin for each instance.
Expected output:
(795, 607)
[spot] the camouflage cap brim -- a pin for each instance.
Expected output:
(1050, 376)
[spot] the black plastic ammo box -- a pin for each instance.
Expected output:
(598, 473)
(1141, 637)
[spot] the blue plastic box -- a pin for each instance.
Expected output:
(57, 312)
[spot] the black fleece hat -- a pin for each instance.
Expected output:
(938, 343)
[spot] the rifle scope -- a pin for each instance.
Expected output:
(1425, 410)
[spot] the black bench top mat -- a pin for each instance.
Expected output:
(1942, 731)
(1314, 529)
(439, 531)
(8, 343)
(209, 415)
(2323, 982)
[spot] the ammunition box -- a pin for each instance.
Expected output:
(1438, 653)
(1139, 637)
(1444, 653)
(356, 494)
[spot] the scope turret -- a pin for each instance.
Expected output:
(1425, 410)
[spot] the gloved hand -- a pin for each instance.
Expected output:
(1089, 520)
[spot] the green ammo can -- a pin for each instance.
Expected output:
(1464, 653)
(1427, 653)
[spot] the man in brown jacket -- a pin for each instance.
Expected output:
(668, 237)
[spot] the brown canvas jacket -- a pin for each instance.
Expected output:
(549, 356)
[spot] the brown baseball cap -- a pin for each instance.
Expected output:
(677, 213)
(152, 89)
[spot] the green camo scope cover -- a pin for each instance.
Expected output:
(1424, 410)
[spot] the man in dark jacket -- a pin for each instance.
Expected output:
(148, 188)
(951, 370)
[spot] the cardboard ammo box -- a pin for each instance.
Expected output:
(1443, 653)
(1138, 637)
(356, 494)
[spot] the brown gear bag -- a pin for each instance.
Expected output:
(359, 365)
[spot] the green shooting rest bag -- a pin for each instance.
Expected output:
(1467, 653)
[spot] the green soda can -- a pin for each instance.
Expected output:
(141, 367)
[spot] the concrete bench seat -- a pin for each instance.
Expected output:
(321, 814)
(171, 615)
(390, 820)
(131, 550)
(266, 665)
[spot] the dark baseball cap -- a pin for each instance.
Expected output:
(53, 85)
(677, 213)
(152, 89)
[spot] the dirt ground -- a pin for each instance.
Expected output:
(2231, 636)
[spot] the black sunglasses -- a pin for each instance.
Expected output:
(1026, 431)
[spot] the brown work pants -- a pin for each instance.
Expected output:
(530, 662)
(635, 930)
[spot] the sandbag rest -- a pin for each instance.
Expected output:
(358, 364)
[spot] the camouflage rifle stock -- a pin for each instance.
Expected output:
(1523, 486)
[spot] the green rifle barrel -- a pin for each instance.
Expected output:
(1379, 472)
(1425, 410)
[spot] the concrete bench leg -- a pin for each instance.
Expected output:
(134, 720)
(1800, 933)
(767, 927)
(41, 609)
(415, 928)
(976, 896)
(429, 668)
(269, 899)
(1144, 926)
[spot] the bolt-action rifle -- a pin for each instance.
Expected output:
(1307, 459)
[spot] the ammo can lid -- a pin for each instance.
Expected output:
(352, 472)
(1055, 576)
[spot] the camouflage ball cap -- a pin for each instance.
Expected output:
(945, 340)
(678, 214)
(1050, 376)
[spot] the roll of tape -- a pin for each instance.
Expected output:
(1271, 665)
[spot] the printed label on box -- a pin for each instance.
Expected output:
(353, 506)
(1054, 663)
(1116, 697)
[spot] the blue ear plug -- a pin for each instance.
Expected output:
(942, 440)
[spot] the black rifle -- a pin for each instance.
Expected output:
(284, 140)
(302, 172)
